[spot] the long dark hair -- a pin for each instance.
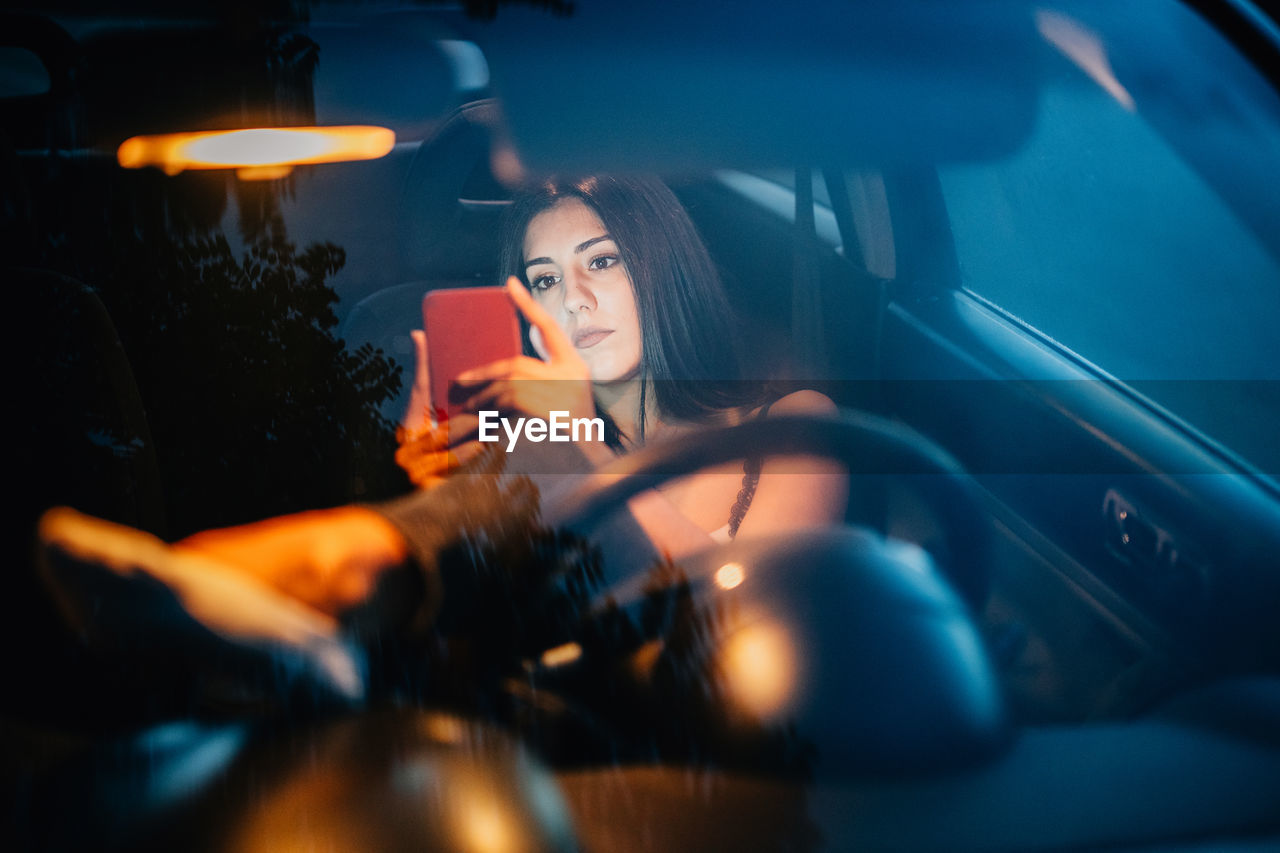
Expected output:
(689, 341)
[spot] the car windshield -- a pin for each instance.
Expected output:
(1006, 274)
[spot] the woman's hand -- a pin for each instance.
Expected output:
(428, 455)
(430, 451)
(426, 452)
(417, 416)
(530, 386)
(329, 559)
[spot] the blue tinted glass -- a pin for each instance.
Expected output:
(1139, 225)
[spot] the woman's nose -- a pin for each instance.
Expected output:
(578, 295)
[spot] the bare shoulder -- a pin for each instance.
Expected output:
(804, 402)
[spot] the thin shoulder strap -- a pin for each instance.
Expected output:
(750, 479)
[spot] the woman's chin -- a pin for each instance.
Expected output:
(606, 374)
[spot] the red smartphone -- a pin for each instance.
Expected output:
(466, 327)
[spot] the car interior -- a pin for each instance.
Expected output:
(1095, 663)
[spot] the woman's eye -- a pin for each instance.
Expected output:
(602, 262)
(543, 282)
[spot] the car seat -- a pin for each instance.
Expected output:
(449, 217)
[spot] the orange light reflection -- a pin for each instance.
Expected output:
(760, 667)
(257, 152)
(730, 575)
(561, 655)
(1086, 50)
(487, 827)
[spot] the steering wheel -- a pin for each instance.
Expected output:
(385, 778)
(867, 445)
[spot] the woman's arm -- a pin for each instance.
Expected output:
(671, 531)
(792, 492)
(797, 491)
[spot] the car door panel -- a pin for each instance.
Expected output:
(1142, 508)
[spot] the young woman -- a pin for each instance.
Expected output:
(629, 322)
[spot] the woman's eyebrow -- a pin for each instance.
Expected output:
(582, 247)
(577, 250)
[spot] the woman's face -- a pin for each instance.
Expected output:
(575, 271)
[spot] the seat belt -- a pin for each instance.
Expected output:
(838, 192)
(809, 346)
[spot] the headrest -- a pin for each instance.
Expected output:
(452, 205)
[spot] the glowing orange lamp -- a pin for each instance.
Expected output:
(256, 153)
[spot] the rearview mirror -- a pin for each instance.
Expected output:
(620, 86)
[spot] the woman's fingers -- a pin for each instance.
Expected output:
(440, 436)
(461, 427)
(553, 337)
(530, 385)
(428, 438)
(531, 396)
(525, 368)
(536, 397)
(418, 413)
(429, 454)
(500, 369)
(427, 469)
(493, 395)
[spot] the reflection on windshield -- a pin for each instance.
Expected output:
(248, 402)
(255, 153)
(674, 672)
(194, 372)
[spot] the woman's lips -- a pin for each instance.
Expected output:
(590, 336)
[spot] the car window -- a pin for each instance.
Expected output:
(226, 295)
(1126, 229)
(865, 195)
